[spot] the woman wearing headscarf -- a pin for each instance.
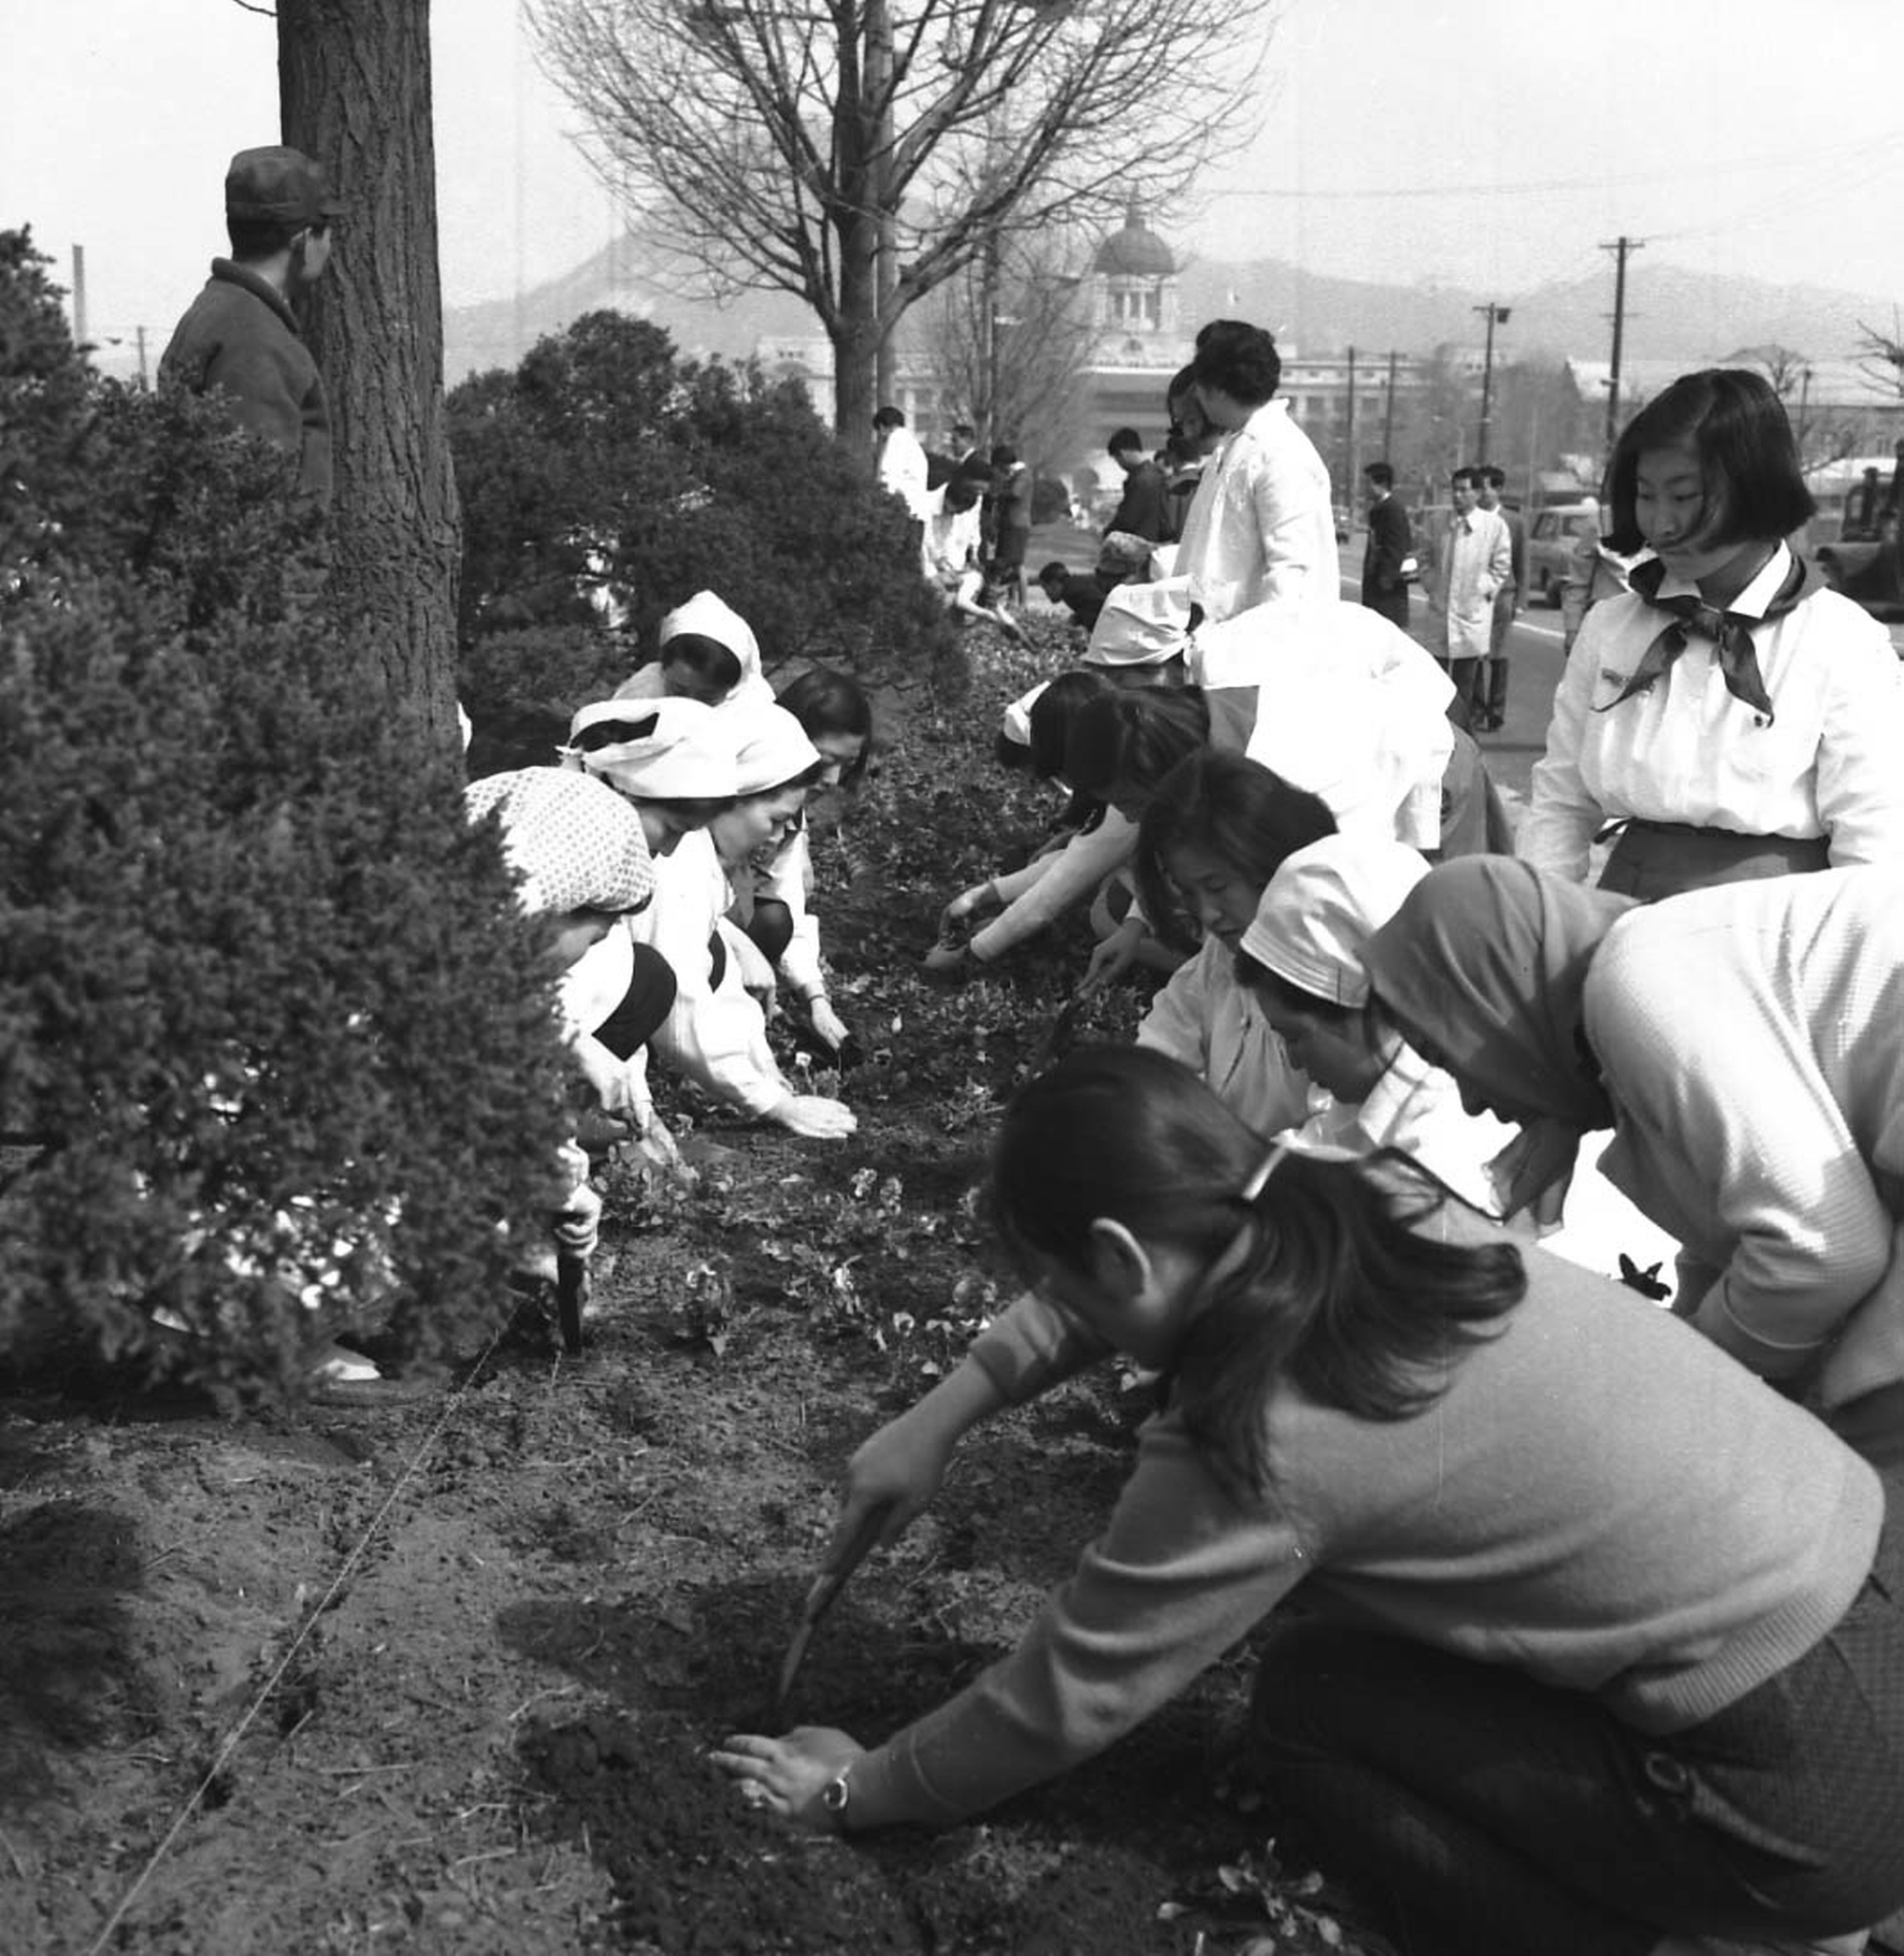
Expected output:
(583, 858)
(673, 762)
(1300, 960)
(707, 652)
(1746, 1045)
(716, 1032)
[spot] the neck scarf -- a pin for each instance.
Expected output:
(1731, 632)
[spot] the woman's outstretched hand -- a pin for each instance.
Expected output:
(787, 1777)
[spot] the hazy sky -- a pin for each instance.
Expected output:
(1495, 144)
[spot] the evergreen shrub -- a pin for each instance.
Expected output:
(681, 475)
(276, 1052)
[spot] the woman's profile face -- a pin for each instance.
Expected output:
(840, 752)
(755, 822)
(1343, 1056)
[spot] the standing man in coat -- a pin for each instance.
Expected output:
(1390, 547)
(1491, 700)
(1473, 558)
(239, 339)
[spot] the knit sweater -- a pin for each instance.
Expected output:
(1556, 1510)
(1773, 1146)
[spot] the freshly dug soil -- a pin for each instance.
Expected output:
(441, 1675)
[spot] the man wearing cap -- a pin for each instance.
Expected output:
(239, 339)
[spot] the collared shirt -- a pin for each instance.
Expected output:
(902, 469)
(1415, 1109)
(1206, 1021)
(1261, 526)
(1687, 751)
(952, 537)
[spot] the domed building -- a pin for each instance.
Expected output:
(1134, 289)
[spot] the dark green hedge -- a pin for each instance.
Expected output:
(270, 1029)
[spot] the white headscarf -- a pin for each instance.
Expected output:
(675, 750)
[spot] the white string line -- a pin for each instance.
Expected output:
(297, 1643)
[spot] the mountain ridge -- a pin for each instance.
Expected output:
(1674, 313)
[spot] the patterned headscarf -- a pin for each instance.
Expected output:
(577, 844)
(1484, 968)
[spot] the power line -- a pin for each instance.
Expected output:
(1809, 160)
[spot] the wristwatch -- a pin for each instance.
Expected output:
(834, 1796)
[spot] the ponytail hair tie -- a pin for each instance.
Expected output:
(1253, 1188)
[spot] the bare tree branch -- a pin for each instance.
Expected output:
(860, 153)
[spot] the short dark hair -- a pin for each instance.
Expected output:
(1121, 439)
(1003, 455)
(1495, 477)
(1136, 737)
(1380, 475)
(1241, 812)
(1736, 424)
(717, 664)
(1052, 714)
(962, 427)
(1239, 360)
(1057, 568)
(825, 702)
(253, 238)
(1469, 476)
(888, 418)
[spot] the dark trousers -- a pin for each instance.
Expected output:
(1461, 708)
(1393, 605)
(1487, 1812)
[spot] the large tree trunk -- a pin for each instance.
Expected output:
(354, 81)
(856, 335)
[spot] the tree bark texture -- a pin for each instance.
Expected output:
(354, 84)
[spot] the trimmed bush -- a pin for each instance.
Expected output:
(682, 475)
(275, 1047)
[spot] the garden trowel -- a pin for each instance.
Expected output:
(820, 1599)
(1057, 1042)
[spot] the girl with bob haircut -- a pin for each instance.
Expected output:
(1089, 854)
(1565, 1682)
(838, 718)
(1217, 830)
(1738, 717)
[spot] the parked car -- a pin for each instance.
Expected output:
(1552, 539)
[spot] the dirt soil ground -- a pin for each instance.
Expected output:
(442, 1676)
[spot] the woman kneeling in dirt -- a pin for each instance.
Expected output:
(1575, 1678)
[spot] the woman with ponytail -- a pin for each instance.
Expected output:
(1568, 1679)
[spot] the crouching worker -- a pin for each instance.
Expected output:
(1572, 1678)
(584, 862)
(716, 1032)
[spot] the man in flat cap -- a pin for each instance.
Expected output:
(239, 339)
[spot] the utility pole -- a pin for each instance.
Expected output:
(1349, 434)
(1622, 248)
(79, 295)
(145, 384)
(1496, 315)
(1388, 413)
